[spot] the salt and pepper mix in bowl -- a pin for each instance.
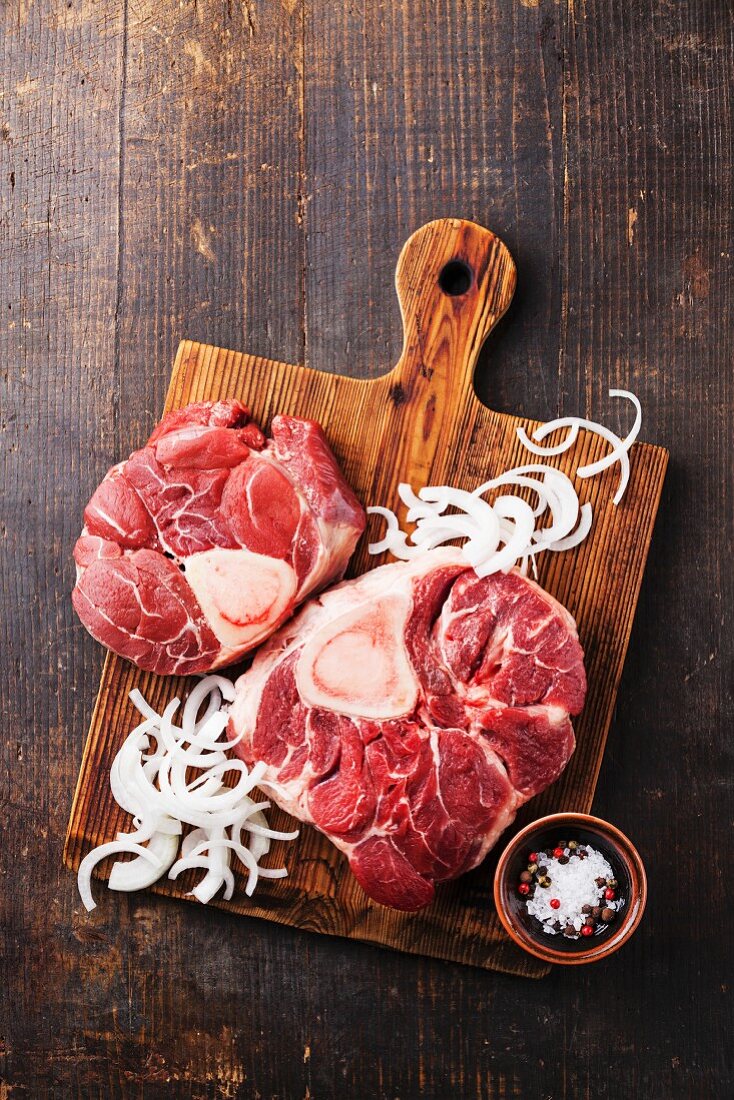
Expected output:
(570, 888)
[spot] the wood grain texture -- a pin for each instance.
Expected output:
(596, 139)
(421, 423)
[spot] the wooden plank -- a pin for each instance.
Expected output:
(420, 423)
(59, 263)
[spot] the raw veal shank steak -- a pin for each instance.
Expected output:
(203, 542)
(407, 714)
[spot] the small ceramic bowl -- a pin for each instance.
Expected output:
(527, 932)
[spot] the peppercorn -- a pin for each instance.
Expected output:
(558, 852)
(587, 930)
(609, 894)
(596, 911)
(569, 930)
(548, 852)
(523, 888)
(573, 845)
(601, 881)
(542, 869)
(532, 868)
(526, 877)
(585, 908)
(533, 857)
(562, 844)
(612, 882)
(590, 921)
(554, 903)
(544, 881)
(607, 915)
(582, 853)
(563, 860)
(557, 925)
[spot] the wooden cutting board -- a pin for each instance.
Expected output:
(420, 423)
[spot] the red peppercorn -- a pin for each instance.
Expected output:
(609, 894)
(523, 888)
(533, 857)
(558, 852)
(555, 903)
(587, 930)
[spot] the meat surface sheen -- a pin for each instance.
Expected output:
(409, 713)
(203, 542)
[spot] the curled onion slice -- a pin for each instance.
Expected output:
(140, 872)
(113, 848)
(542, 432)
(394, 539)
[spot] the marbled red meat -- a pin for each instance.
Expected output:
(199, 545)
(409, 713)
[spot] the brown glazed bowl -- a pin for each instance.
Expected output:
(527, 932)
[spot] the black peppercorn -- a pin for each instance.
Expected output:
(600, 881)
(563, 860)
(590, 921)
(607, 915)
(585, 908)
(569, 930)
(596, 911)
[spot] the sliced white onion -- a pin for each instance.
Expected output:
(542, 432)
(509, 532)
(157, 788)
(90, 861)
(619, 450)
(140, 872)
(578, 536)
(394, 539)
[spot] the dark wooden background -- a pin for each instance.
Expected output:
(244, 173)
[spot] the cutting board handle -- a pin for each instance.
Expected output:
(454, 280)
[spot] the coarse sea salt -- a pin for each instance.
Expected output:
(574, 885)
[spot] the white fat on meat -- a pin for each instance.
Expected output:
(243, 595)
(357, 664)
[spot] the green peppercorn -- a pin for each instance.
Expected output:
(544, 881)
(532, 868)
(573, 845)
(612, 882)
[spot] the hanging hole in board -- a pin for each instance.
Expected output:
(455, 278)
